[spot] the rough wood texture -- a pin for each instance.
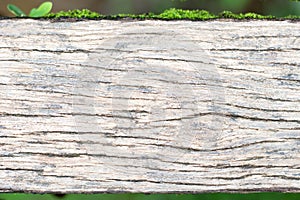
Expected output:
(149, 106)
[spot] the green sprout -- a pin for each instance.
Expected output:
(41, 11)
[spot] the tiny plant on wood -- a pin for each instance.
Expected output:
(41, 11)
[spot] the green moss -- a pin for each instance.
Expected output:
(170, 14)
(140, 16)
(292, 17)
(229, 14)
(186, 14)
(85, 13)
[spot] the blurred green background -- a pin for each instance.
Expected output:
(277, 8)
(267, 7)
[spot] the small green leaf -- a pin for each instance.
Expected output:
(33, 10)
(15, 10)
(41, 11)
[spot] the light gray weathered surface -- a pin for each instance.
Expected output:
(149, 106)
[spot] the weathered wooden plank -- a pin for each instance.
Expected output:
(149, 106)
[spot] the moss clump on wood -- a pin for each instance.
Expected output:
(292, 17)
(229, 14)
(170, 14)
(186, 14)
(85, 13)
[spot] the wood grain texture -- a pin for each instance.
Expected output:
(149, 106)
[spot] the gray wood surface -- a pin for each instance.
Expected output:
(149, 106)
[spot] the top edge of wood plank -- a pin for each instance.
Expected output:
(163, 20)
